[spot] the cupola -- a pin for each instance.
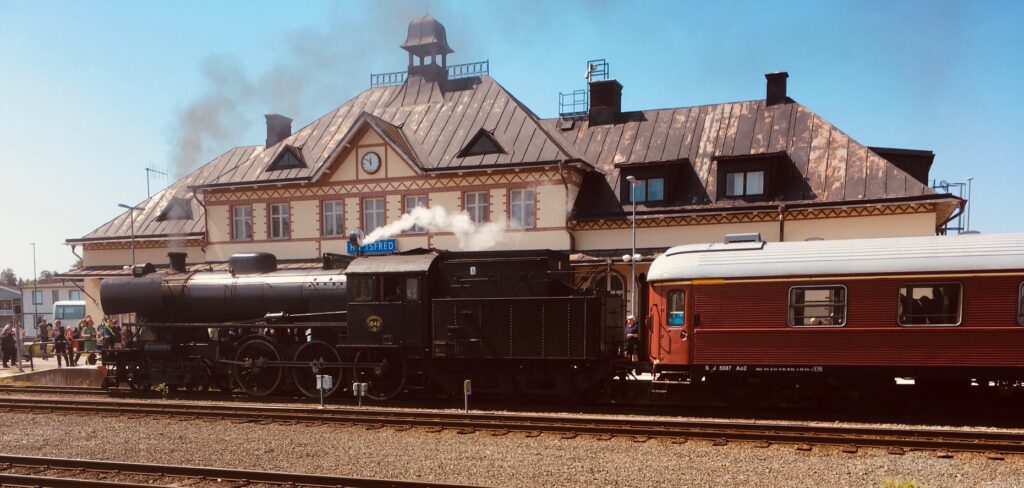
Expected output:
(427, 39)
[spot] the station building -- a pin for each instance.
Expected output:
(440, 135)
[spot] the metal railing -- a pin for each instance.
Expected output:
(574, 103)
(455, 72)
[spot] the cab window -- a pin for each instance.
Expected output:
(412, 290)
(676, 308)
(364, 289)
(930, 304)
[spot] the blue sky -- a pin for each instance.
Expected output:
(91, 93)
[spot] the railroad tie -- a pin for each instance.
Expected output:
(763, 444)
(803, 447)
(994, 456)
(850, 449)
(720, 442)
(896, 451)
(943, 454)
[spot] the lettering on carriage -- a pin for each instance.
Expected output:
(730, 368)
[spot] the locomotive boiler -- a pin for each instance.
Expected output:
(423, 320)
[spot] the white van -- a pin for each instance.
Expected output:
(69, 312)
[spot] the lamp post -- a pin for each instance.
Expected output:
(633, 256)
(35, 289)
(131, 218)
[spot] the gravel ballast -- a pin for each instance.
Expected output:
(480, 458)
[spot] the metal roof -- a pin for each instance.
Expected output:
(397, 263)
(968, 252)
(831, 165)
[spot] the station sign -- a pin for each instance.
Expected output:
(383, 246)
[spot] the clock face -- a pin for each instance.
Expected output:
(371, 162)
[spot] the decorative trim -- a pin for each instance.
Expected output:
(139, 244)
(756, 216)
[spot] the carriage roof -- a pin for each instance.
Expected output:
(967, 252)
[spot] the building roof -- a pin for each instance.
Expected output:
(829, 165)
(430, 123)
(962, 253)
(9, 293)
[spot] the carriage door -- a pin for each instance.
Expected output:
(670, 325)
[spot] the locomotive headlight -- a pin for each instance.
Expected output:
(626, 257)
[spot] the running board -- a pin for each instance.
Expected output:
(664, 380)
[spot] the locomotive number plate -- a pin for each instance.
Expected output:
(374, 323)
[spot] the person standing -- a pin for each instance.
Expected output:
(60, 343)
(43, 337)
(632, 338)
(8, 346)
(115, 334)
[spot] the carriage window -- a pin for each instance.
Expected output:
(364, 289)
(817, 306)
(676, 308)
(412, 290)
(1020, 304)
(930, 304)
(392, 288)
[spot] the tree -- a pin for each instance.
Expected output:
(8, 278)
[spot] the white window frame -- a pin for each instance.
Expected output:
(335, 217)
(924, 284)
(55, 295)
(746, 193)
(244, 220)
(478, 212)
(1020, 304)
(280, 222)
(791, 316)
(382, 211)
(523, 205)
(418, 201)
(37, 297)
(74, 295)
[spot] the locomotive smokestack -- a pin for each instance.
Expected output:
(177, 261)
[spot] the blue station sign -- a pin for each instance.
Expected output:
(382, 246)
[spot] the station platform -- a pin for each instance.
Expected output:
(44, 371)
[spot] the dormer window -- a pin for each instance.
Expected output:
(752, 177)
(480, 144)
(290, 157)
(744, 184)
(648, 190)
(176, 209)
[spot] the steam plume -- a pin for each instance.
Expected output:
(471, 236)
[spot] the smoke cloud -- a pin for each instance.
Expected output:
(471, 236)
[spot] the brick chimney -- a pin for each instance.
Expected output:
(776, 88)
(605, 101)
(279, 128)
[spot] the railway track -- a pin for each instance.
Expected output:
(943, 441)
(59, 473)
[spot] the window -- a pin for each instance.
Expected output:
(648, 190)
(817, 306)
(71, 313)
(74, 295)
(930, 304)
(364, 289)
(477, 204)
(373, 214)
(241, 223)
(412, 290)
(1020, 304)
(411, 202)
(280, 221)
(481, 143)
(37, 297)
(56, 295)
(676, 308)
(334, 219)
(289, 158)
(746, 183)
(522, 208)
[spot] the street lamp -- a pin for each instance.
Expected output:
(35, 289)
(633, 256)
(131, 218)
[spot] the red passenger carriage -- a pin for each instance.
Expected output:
(946, 309)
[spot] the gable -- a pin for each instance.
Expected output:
(481, 144)
(290, 157)
(370, 144)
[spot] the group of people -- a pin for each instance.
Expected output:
(70, 342)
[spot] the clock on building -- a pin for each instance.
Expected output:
(371, 162)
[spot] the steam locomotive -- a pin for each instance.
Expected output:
(424, 320)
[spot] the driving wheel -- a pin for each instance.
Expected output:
(315, 354)
(255, 375)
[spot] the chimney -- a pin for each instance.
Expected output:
(177, 261)
(605, 101)
(776, 88)
(279, 128)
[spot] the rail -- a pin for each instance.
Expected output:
(994, 443)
